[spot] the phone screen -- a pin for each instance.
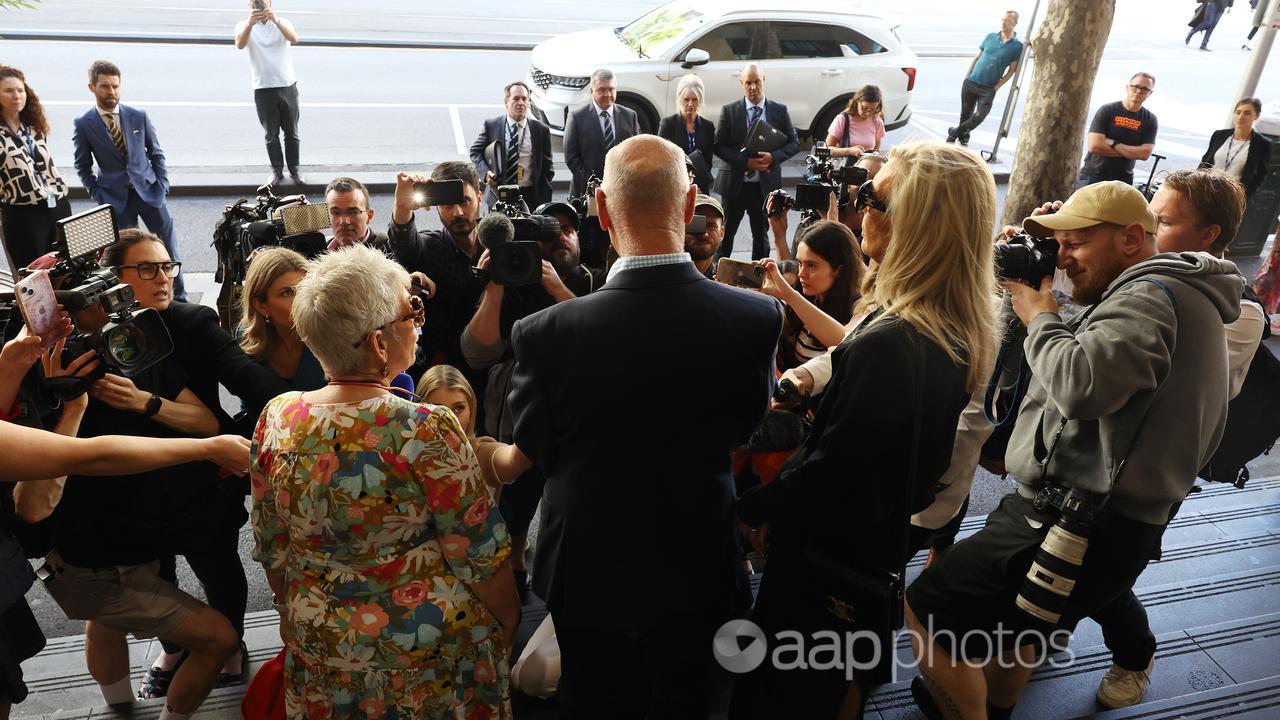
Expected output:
(440, 192)
(39, 306)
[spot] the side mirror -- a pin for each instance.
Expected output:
(695, 57)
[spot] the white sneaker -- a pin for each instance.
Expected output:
(1122, 688)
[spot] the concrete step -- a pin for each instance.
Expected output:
(1257, 700)
(1225, 659)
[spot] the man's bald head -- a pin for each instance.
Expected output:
(752, 79)
(646, 197)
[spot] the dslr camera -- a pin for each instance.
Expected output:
(822, 176)
(514, 238)
(1026, 258)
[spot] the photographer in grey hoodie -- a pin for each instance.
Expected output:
(1139, 384)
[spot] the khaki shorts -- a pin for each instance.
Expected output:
(126, 598)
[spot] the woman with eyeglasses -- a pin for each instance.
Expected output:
(835, 524)
(386, 556)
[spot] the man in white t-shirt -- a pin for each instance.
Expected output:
(275, 87)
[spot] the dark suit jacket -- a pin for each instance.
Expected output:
(145, 169)
(584, 148)
(731, 134)
(704, 135)
(210, 356)
(543, 170)
(638, 470)
(1256, 162)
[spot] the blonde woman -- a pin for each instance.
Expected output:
(690, 131)
(267, 333)
(446, 385)
(884, 429)
(860, 128)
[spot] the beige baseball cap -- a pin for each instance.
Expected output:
(1105, 202)
(708, 201)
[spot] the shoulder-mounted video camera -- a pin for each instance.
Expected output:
(514, 238)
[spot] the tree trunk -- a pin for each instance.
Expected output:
(1068, 46)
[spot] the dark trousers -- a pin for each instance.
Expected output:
(29, 230)
(278, 110)
(1211, 17)
(158, 222)
(1126, 632)
(661, 673)
(975, 105)
(751, 201)
(216, 564)
(1089, 179)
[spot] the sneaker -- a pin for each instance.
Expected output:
(276, 177)
(951, 134)
(1246, 47)
(296, 177)
(1205, 49)
(1122, 688)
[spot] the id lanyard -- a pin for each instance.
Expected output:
(1231, 156)
(38, 163)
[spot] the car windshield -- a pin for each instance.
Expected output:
(657, 32)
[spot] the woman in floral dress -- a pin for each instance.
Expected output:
(386, 556)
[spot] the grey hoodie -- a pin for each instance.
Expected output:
(1133, 352)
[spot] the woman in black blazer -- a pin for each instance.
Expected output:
(691, 131)
(1227, 146)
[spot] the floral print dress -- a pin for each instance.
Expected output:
(376, 514)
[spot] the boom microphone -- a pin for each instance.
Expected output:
(495, 230)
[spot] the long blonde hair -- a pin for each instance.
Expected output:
(448, 377)
(268, 264)
(938, 272)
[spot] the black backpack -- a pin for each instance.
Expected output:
(1253, 416)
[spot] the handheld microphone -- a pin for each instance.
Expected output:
(403, 386)
(494, 230)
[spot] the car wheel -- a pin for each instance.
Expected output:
(645, 115)
(823, 120)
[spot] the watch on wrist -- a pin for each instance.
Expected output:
(153, 406)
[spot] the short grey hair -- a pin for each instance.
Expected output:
(346, 295)
(601, 75)
(691, 82)
(1014, 13)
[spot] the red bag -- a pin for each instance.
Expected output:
(264, 698)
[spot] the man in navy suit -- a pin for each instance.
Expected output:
(639, 491)
(523, 157)
(131, 177)
(748, 180)
(589, 133)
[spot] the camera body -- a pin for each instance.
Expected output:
(823, 175)
(1026, 258)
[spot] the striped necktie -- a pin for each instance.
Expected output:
(113, 127)
(755, 115)
(512, 174)
(608, 129)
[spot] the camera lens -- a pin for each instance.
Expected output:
(126, 344)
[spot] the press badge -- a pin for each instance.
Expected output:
(51, 200)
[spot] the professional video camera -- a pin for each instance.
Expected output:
(514, 238)
(101, 306)
(585, 203)
(822, 176)
(270, 220)
(1026, 258)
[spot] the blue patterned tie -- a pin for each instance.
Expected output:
(512, 174)
(608, 129)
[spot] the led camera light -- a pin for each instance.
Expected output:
(87, 233)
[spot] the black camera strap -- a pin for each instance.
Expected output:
(1044, 454)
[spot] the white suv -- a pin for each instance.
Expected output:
(814, 59)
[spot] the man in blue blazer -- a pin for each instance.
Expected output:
(748, 180)
(639, 486)
(524, 150)
(131, 177)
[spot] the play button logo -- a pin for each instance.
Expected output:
(739, 646)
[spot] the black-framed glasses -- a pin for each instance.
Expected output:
(1142, 89)
(867, 198)
(148, 270)
(417, 313)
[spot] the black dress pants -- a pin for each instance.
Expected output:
(750, 200)
(975, 105)
(659, 673)
(29, 230)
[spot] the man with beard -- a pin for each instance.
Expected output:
(1139, 382)
(486, 345)
(702, 248)
(447, 256)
